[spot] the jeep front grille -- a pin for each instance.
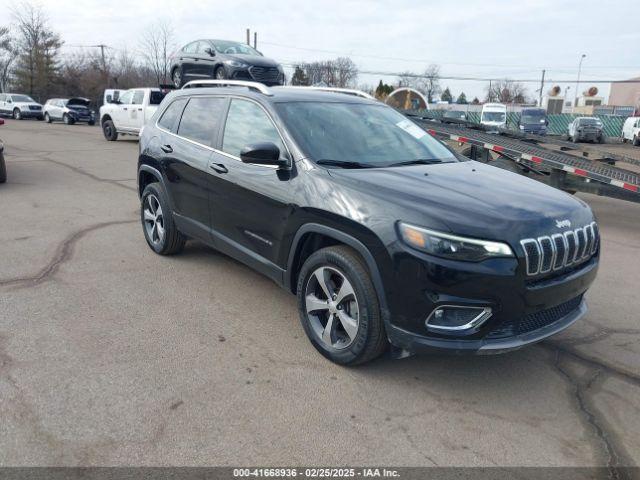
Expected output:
(557, 251)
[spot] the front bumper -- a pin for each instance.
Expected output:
(524, 309)
(32, 113)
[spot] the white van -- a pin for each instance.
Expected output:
(494, 115)
(631, 131)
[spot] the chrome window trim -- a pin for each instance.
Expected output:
(208, 147)
(553, 253)
(483, 316)
(526, 256)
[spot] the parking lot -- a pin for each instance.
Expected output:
(112, 355)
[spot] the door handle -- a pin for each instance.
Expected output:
(125, 109)
(166, 148)
(139, 109)
(218, 167)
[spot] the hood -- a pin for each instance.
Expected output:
(78, 102)
(253, 60)
(469, 198)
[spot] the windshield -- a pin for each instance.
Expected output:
(493, 116)
(371, 135)
(529, 118)
(589, 121)
(454, 114)
(22, 98)
(234, 48)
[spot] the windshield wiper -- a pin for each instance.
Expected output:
(419, 161)
(343, 163)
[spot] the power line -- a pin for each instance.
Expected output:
(494, 65)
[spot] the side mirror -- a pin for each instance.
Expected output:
(210, 51)
(263, 153)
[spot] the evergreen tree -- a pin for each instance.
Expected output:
(462, 99)
(446, 96)
(299, 77)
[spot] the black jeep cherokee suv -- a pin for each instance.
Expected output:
(382, 232)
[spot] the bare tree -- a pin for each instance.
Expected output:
(157, 43)
(341, 72)
(410, 80)
(8, 55)
(506, 91)
(38, 48)
(431, 81)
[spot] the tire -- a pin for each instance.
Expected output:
(17, 115)
(47, 118)
(363, 340)
(574, 139)
(636, 141)
(165, 241)
(3, 169)
(67, 119)
(109, 131)
(91, 123)
(176, 77)
(220, 73)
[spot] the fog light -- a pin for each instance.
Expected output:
(457, 318)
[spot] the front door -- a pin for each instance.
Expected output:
(249, 203)
(134, 113)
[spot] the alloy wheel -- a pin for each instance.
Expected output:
(153, 219)
(177, 78)
(220, 74)
(332, 308)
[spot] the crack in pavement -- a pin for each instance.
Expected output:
(62, 254)
(90, 175)
(580, 390)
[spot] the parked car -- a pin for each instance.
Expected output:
(69, 110)
(631, 131)
(3, 165)
(586, 129)
(533, 120)
(454, 115)
(128, 113)
(20, 106)
(494, 115)
(223, 59)
(383, 233)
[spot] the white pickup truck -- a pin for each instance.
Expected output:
(125, 112)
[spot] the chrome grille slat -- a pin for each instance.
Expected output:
(560, 250)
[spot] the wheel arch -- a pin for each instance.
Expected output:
(148, 174)
(104, 118)
(312, 236)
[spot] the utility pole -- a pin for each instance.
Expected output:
(575, 102)
(255, 40)
(248, 37)
(541, 88)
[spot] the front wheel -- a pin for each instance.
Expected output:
(47, 118)
(17, 114)
(67, 119)
(574, 139)
(220, 74)
(157, 222)
(339, 307)
(109, 131)
(92, 123)
(636, 141)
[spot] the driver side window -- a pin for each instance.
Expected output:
(248, 123)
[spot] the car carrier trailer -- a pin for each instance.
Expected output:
(564, 165)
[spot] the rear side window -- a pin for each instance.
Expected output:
(201, 118)
(155, 97)
(248, 123)
(138, 97)
(171, 114)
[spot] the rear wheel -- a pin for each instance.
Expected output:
(176, 77)
(3, 169)
(157, 222)
(109, 131)
(339, 307)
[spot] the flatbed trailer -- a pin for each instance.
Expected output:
(543, 158)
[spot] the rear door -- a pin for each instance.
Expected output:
(249, 203)
(186, 160)
(134, 117)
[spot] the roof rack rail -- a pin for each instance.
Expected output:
(348, 91)
(229, 83)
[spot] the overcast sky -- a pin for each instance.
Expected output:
(481, 38)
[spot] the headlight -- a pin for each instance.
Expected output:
(280, 69)
(521, 127)
(452, 246)
(235, 63)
